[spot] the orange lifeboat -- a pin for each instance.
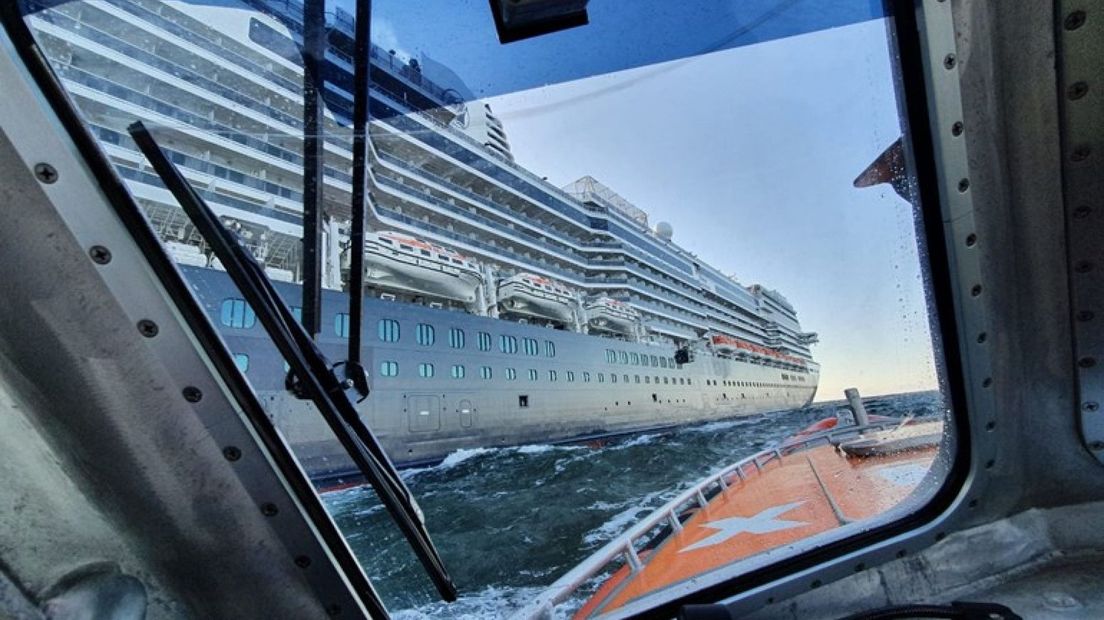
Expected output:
(821, 479)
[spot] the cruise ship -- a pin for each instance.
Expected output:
(501, 309)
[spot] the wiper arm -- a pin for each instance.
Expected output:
(315, 377)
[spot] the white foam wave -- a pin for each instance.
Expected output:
(450, 461)
(491, 602)
(545, 448)
(622, 520)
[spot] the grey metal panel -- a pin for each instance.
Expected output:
(1080, 47)
(107, 458)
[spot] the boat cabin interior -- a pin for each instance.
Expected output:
(141, 475)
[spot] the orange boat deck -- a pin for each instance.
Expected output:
(765, 502)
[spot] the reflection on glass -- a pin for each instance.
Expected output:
(644, 201)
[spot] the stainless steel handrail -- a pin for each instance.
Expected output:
(623, 545)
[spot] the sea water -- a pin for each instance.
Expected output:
(509, 521)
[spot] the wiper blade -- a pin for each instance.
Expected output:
(308, 364)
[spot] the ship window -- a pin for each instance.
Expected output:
(389, 369)
(341, 324)
(586, 377)
(388, 330)
(636, 378)
(531, 346)
(484, 341)
(663, 362)
(458, 371)
(550, 348)
(425, 253)
(237, 313)
(613, 377)
(241, 360)
(647, 379)
(552, 376)
(406, 247)
(611, 356)
(508, 344)
(655, 361)
(601, 378)
(425, 334)
(532, 374)
(624, 357)
(635, 359)
(385, 240)
(523, 400)
(511, 374)
(425, 370)
(484, 372)
(456, 338)
(664, 380)
(625, 377)
(570, 376)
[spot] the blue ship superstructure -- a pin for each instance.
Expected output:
(502, 308)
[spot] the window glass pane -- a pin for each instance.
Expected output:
(388, 330)
(425, 334)
(524, 192)
(341, 324)
(456, 338)
(237, 313)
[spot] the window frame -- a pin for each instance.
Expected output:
(915, 88)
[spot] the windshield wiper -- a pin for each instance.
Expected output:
(315, 377)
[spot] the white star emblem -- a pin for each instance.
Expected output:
(762, 523)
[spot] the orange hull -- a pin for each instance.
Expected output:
(807, 491)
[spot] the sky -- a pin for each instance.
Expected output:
(749, 152)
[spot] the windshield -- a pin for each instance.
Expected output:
(599, 266)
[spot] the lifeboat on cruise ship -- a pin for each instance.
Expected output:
(821, 479)
(537, 296)
(395, 261)
(735, 346)
(725, 344)
(609, 314)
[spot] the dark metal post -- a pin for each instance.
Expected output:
(361, 80)
(314, 48)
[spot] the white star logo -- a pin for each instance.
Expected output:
(762, 523)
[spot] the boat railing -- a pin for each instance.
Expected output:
(624, 547)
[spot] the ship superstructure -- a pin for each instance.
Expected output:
(459, 229)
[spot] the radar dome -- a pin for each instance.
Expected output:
(664, 231)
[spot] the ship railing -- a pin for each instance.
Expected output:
(624, 548)
(534, 180)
